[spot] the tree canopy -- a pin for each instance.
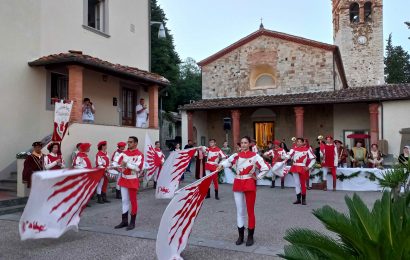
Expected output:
(397, 63)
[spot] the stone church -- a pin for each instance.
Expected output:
(272, 85)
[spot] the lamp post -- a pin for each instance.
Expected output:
(161, 30)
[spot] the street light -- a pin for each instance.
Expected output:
(161, 31)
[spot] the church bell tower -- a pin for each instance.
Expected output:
(358, 31)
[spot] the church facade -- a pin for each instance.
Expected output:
(272, 85)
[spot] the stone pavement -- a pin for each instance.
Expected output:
(212, 237)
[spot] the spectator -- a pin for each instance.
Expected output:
(142, 114)
(88, 111)
(226, 149)
(375, 157)
(358, 155)
(189, 145)
(177, 147)
(404, 158)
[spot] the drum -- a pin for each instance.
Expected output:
(112, 174)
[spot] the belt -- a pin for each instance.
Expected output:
(129, 177)
(299, 164)
(244, 177)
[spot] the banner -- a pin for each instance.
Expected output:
(179, 217)
(153, 162)
(56, 201)
(171, 172)
(62, 114)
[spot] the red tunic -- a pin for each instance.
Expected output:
(300, 157)
(50, 161)
(32, 164)
(82, 161)
(329, 152)
(214, 155)
(102, 160)
(134, 162)
(245, 164)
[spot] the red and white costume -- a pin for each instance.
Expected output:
(102, 161)
(214, 156)
(115, 158)
(300, 157)
(50, 162)
(161, 161)
(82, 161)
(330, 160)
(132, 162)
(278, 161)
(244, 185)
(255, 149)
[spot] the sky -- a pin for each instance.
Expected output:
(202, 28)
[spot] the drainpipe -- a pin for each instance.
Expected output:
(334, 75)
(381, 120)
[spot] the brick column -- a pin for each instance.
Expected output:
(299, 111)
(153, 106)
(190, 115)
(236, 132)
(361, 13)
(374, 123)
(75, 91)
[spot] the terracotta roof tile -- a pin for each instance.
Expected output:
(348, 95)
(76, 57)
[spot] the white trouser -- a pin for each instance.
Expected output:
(99, 186)
(156, 175)
(118, 179)
(142, 123)
(125, 198)
(240, 208)
(325, 170)
(297, 182)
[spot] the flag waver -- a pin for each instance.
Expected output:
(179, 217)
(153, 161)
(56, 202)
(171, 172)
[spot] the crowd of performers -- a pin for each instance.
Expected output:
(125, 166)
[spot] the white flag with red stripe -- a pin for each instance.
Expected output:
(171, 172)
(179, 217)
(152, 161)
(56, 201)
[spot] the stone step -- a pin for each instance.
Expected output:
(11, 209)
(13, 202)
(8, 185)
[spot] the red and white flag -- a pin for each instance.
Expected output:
(62, 114)
(179, 217)
(171, 172)
(153, 161)
(56, 201)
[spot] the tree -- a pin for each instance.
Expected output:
(408, 24)
(164, 58)
(189, 84)
(397, 63)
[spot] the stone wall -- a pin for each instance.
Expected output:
(363, 62)
(294, 68)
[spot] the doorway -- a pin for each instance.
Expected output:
(128, 107)
(264, 132)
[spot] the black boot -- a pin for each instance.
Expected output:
(216, 195)
(93, 196)
(297, 199)
(273, 184)
(304, 199)
(104, 197)
(249, 240)
(209, 194)
(131, 226)
(124, 222)
(155, 185)
(99, 199)
(282, 183)
(118, 194)
(241, 232)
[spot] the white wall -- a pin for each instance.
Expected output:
(200, 119)
(396, 115)
(62, 30)
(184, 128)
(350, 117)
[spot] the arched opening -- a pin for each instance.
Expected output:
(368, 12)
(264, 80)
(264, 126)
(354, 13)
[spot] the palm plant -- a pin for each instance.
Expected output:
(395, 179)
(382, 233)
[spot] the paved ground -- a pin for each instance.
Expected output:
(212, 237)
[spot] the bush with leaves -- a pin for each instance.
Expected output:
(382, 233)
